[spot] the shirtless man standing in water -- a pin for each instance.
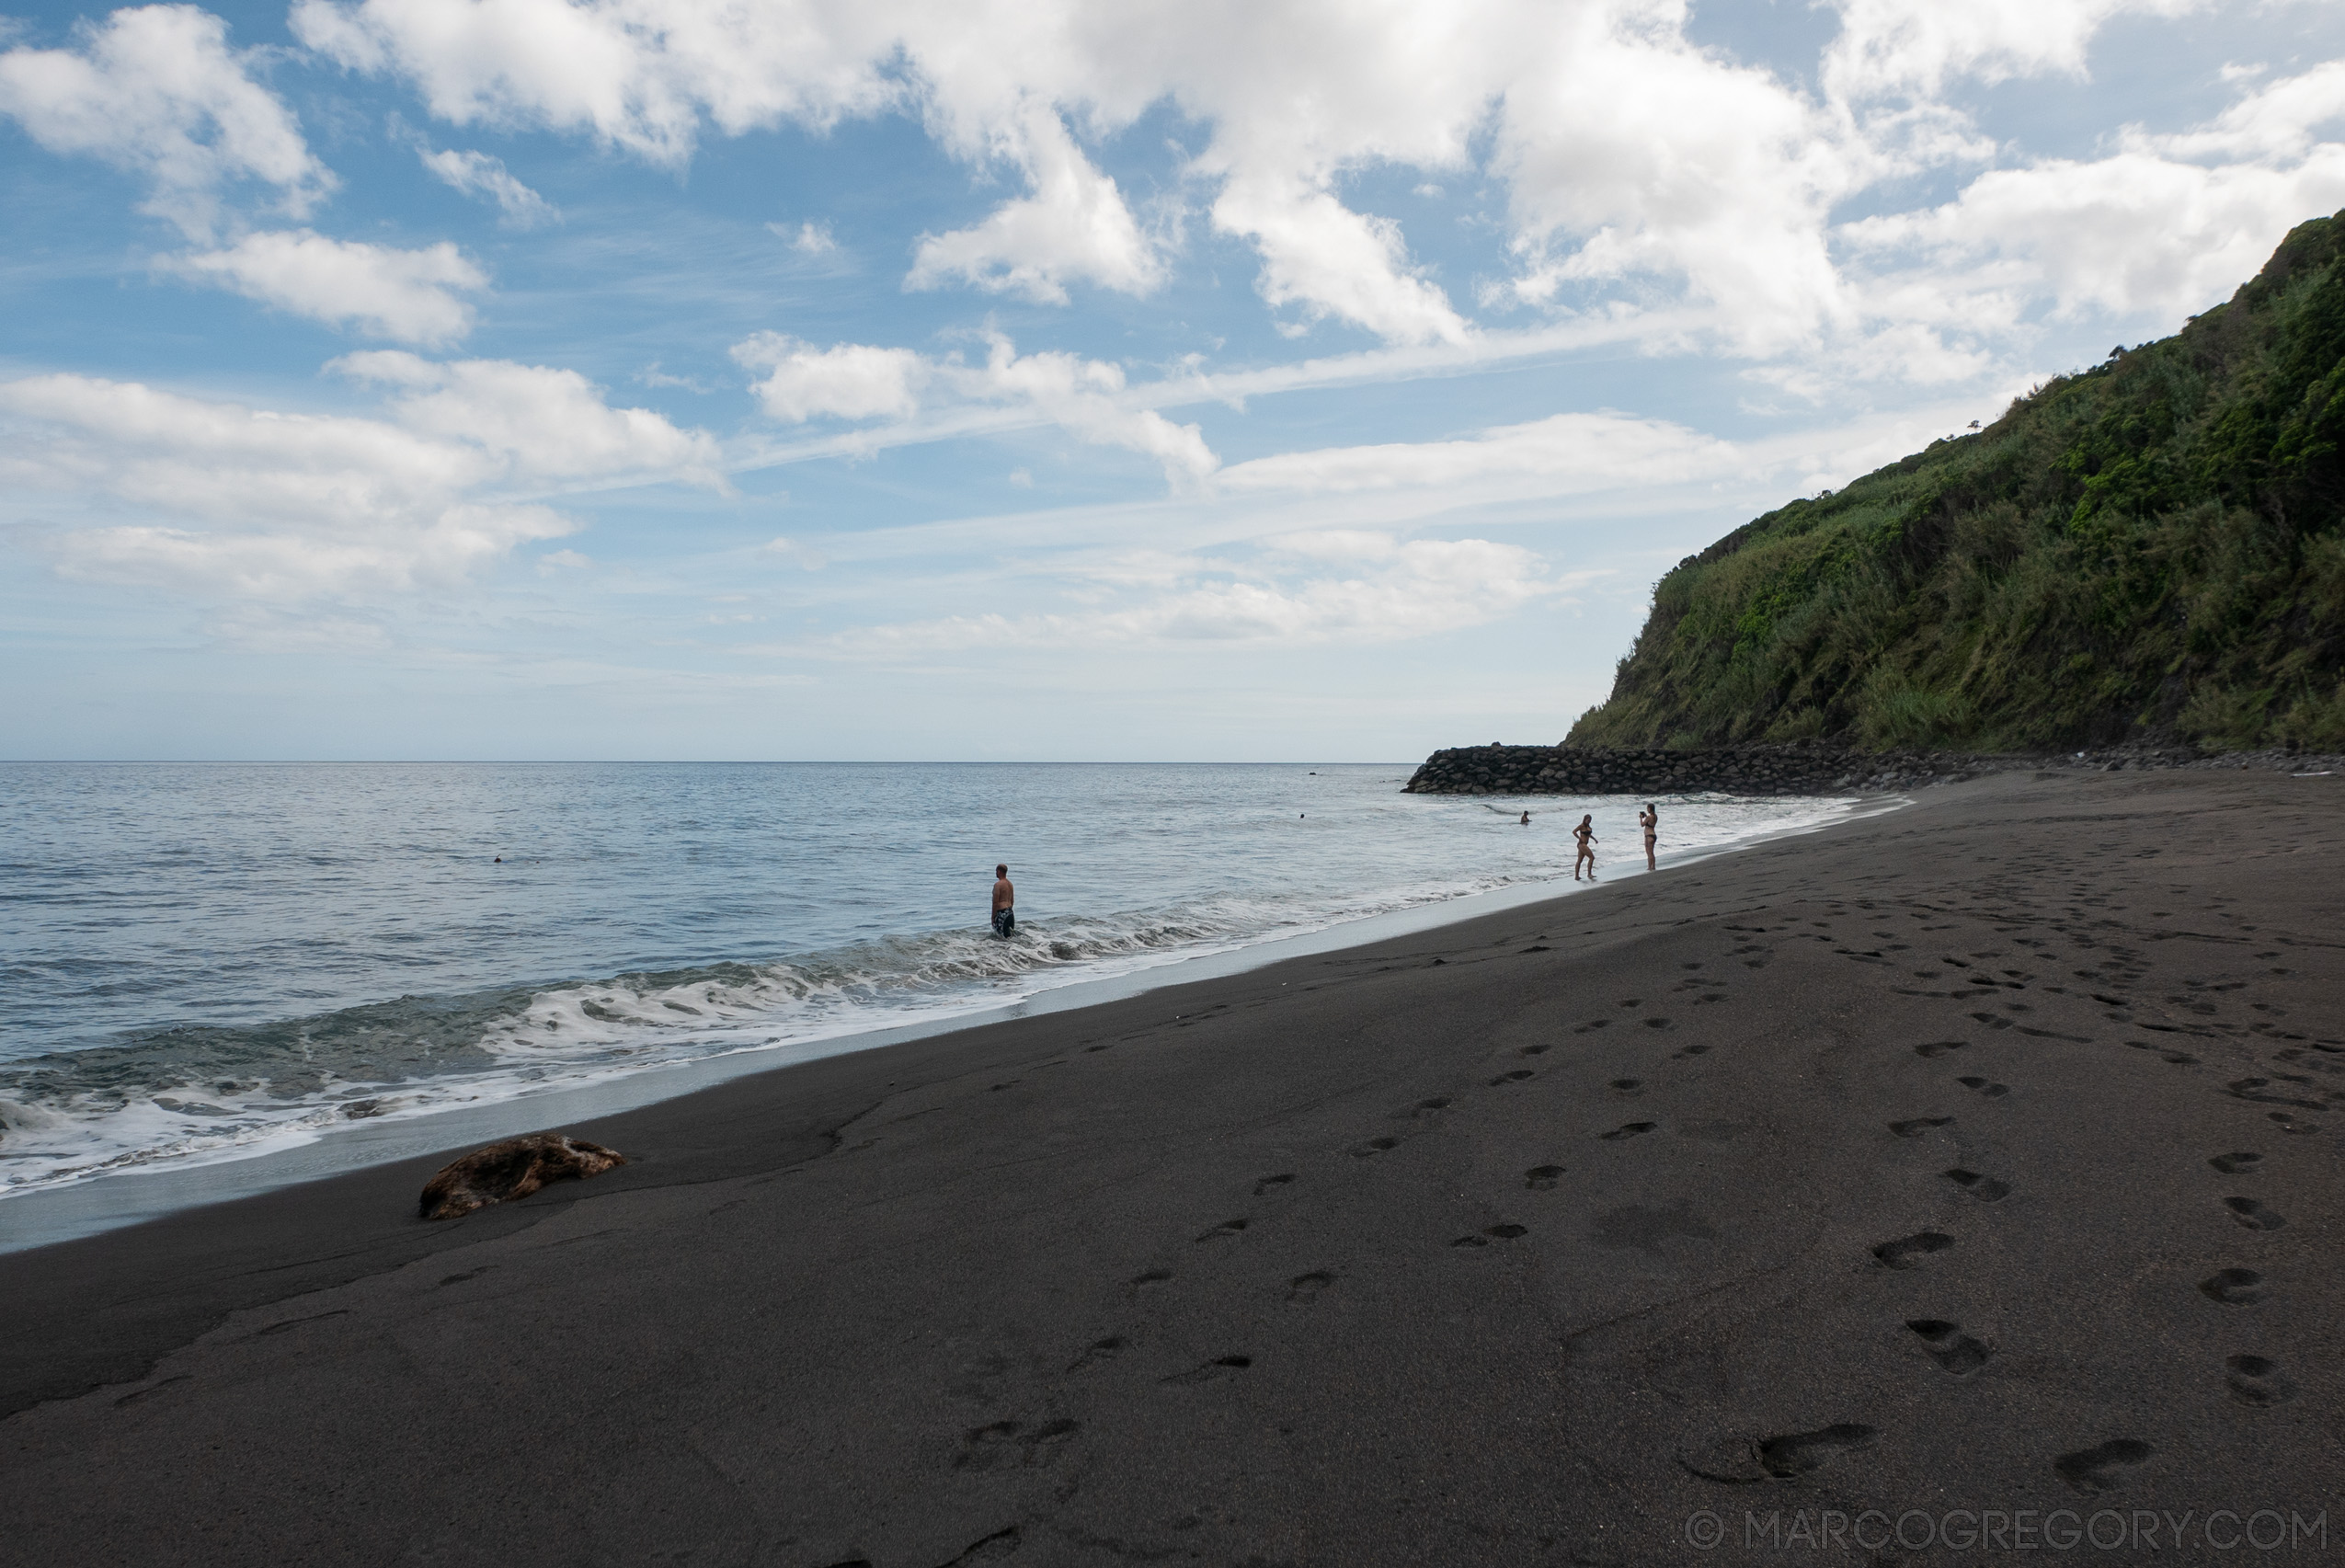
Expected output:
(1650, 820)
(1585, 833)
(1005, 903)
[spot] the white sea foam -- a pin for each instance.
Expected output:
(196, 1093)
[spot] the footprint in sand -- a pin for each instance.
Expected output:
(1629, 1130)
(1099, 1350)
(1153, 1277)
(1954, 1351)
(2235, 1287)
(1741, 1461)
(1532, 1051)
(1625, 1085)
(1918, 1125)
(2253, 1215)
(2264, 1091)
(1374, 1146)
(1938, 1047)
(2102, 1468)
(1218, 1367)
(1986, 1189)
(1981, 1086)
(1795, 1454)
(1514, 1077)
(1691, 1051)
(1304, 1287)
(1266, 1183)
(1907, 1251)
(1227, 1229)
(2237, 1164)
(1542, 1178)
(2253, 1380)
(1495, 1233)
(1007, 1443)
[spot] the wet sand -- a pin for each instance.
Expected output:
(1977, 1159)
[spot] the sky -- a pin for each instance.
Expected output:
(1228, 380)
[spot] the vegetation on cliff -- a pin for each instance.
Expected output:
(2148, 549)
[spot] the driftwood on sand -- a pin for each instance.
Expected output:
(515, 1168)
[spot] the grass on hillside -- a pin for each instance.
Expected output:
(2148, 549)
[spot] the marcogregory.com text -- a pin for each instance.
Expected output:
(2012, 1530)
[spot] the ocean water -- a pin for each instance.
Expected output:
(202, 962)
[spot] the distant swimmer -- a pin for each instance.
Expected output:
(1650, 820)
(1005, 903)
(1526, 819)
(1585, 833)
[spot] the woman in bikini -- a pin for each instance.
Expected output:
(1585, 833)
(1650, 820)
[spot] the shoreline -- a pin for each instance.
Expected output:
(1979, 1155)
(63, 1212)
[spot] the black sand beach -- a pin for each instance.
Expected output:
(1978, 1159)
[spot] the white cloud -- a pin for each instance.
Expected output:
(1916, 46)
(157, 92)
(796, 553)
(477, 173)
(2152, 229)
(1688, 168)
(856, 381)
(1340, 586)
(1565, 453)
(1639, 172)
(846, 380)
(1321, 256)
(1074, 225)
(996, 82)
(808, 238)
(637, 75)
(255, 504)
(2274, 124)
(405, 295)
(542, 423)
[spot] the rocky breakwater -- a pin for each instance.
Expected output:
(1793, 768)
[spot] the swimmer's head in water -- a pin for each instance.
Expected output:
(1000, 871)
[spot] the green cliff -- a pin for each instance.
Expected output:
(2150, 549)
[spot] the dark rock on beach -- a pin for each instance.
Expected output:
(515, 1168)
(1791, 768)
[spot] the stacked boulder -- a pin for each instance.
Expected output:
(1800, 767)
(1793, 768)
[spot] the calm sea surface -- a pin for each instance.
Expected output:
(202, 961)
